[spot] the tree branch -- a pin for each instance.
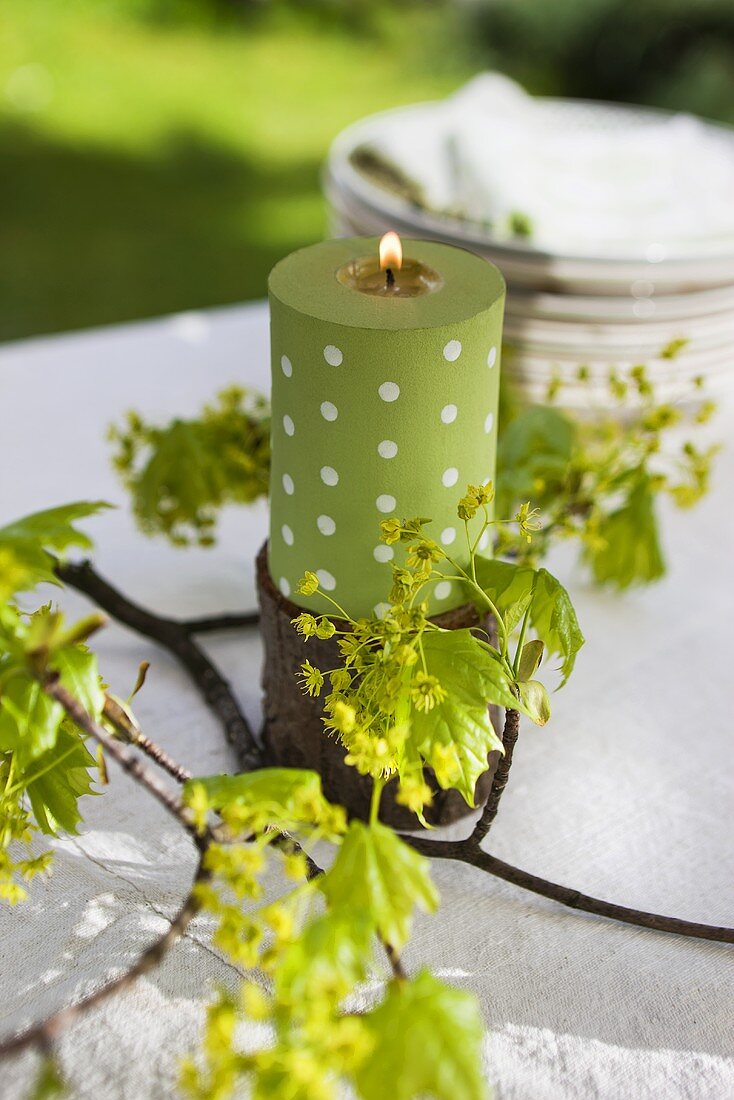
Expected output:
(175, 636)
(465, 851)
(501, 775)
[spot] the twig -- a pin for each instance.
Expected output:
(209, 624)
(130, 732)
(175, 636)
(464, 851)
(501, 775)
(127, 760)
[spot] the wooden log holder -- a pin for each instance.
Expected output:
(294, 735)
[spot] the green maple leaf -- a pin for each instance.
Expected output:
(327, 960)
(473, 676)
(427, 1042)
(515, 588)
(377, 874)
(30, 719)
(63, 776)
(289, 797)
(28, 546)
(627, 550)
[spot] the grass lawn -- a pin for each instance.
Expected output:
(154, 168)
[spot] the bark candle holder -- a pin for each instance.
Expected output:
(384, 403)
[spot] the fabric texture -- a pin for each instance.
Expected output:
(627, 794)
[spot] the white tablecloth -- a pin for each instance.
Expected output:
(627, 794)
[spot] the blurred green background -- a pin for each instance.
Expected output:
(159, 155)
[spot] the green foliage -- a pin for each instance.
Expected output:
(518, 590)
(596, 478)
(28, 546)
(44, 764)
(378, 875)
(427, 1042)
(181, 475)
(410, 695)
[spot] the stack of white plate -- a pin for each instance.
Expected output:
(626, 299)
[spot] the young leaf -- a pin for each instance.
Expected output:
(530, 658)
(535, 699)
(553, 618)
(286, 796)
(63, 777)
(377, 874)
(29, 718)
(510, 587)
(472, 676)
(327, 960)
(514, 588)
(26, 544)
(627, 550)
(427, 1042)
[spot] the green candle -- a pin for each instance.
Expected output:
(384, 399)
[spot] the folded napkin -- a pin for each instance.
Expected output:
(577, 178)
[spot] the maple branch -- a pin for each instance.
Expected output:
(176, 636)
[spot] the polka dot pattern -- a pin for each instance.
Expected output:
(333, 356)
(326, 525)
(344, 423)
(326, 580)
(389, 391)
(387, 448)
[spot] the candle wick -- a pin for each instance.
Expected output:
(389, 277)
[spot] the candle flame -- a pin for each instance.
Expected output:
(391, 252)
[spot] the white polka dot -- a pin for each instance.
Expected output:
(389, 391)
(288, 484)
(448, 535)
(484, 541)
(387, 449)
(489, 422)
(452, 351)
(383, 553)
(288, 425)
(442, 590)
(333, 356)
(326, 580)
(450, 477)
(385, 503)
(326, 525)
(492, 357)
(381, 610)
(287, 534)
(448, 414)
(329, 411)
(329, 476)
(286, 366)
(284, 587)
